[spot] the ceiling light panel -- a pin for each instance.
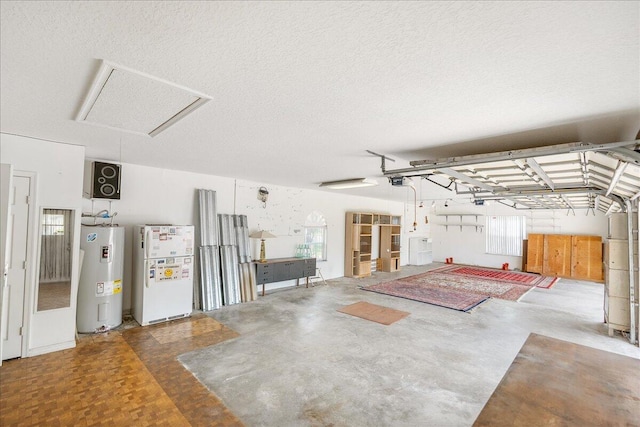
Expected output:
(349, 183)
(125, 99)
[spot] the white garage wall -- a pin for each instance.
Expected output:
(59, 171)
(154, 195)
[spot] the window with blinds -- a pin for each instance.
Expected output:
(504, 234)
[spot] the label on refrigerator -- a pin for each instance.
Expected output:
(168, 241)
(169, 272)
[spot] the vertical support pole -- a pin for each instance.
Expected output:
(632, 281)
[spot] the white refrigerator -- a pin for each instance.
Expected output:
(163, 273)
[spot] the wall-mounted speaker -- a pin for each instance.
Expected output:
(105, 180)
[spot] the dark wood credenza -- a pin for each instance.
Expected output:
(281, 269)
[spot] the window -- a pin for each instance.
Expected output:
(52, 224)
(315, 236)
(505, 234)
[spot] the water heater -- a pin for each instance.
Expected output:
(100, 287)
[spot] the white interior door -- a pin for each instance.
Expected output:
(6, 173)
(14, 289)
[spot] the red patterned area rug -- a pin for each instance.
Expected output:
(458, 292)
(507, 276)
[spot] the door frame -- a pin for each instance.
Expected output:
(32, 261)
(5, 250)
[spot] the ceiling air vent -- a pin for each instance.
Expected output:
(125, 99)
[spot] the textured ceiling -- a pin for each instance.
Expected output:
(302, 89)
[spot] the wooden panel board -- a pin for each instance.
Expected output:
(535, 253)
(525, 248)
(557, 255)
(586, 257)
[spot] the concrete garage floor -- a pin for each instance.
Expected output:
(299, 362)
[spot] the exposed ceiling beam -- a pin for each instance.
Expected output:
(464, 178)
(552, 164)
(598, 181)
(509, 182)
(596, 164)
(571, 167)
(611, 206)
(583, 168)
(572, 175)
(545, 201)
(538, 170)
(489, 180)
(616, 176)
(627, 155)
(541, 191)
(566, 200)
(486, 167)
(573, 147)
(527, 171)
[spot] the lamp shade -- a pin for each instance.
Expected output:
(262, 234)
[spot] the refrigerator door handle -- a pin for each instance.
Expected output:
(147, 242)
(147, 279)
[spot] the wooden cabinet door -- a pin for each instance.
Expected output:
(557, 255)
(586, 257)
(385, 242)
(355, 237)
(535, 253)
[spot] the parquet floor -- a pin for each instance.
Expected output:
(119, 378)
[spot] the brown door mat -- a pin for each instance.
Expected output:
(373, 312)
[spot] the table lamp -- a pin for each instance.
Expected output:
(262, 234)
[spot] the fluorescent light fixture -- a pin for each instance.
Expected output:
(349, 183)
(125, 99)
